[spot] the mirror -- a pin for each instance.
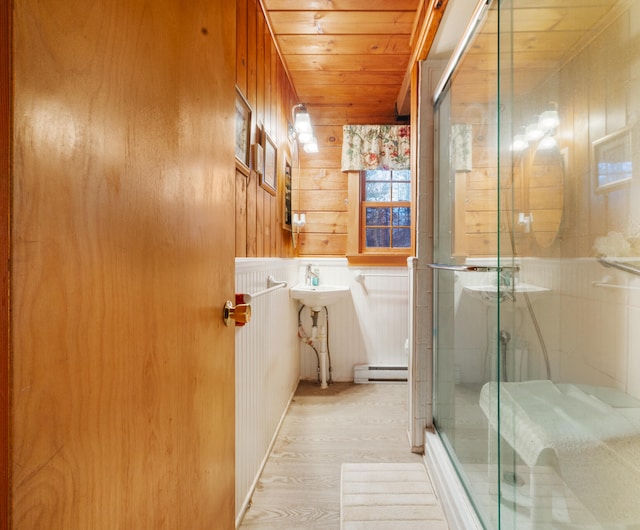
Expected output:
(545, 183)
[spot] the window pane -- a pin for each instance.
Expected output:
(378, 216)
(378, 174)
(401, 216)
(402, 174)
(401, 238)
(401, 191)
(378, 237)
(378, 191)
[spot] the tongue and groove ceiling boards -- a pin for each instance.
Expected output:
(347, 59)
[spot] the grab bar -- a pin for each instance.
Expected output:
(272, 285)
(604, 283)
(360, 276)
(473, 268)
(617, 265)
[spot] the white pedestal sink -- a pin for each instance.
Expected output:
(316, 297)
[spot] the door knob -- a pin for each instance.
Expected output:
(241, 313)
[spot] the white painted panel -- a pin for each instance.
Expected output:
(267, 368)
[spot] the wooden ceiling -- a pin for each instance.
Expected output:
(347, 59)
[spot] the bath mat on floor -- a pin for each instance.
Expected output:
(396, 496)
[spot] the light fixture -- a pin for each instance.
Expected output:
(533, 133)
(548, 120)
(302, 130)
(519, 143)
(305, 137)
(548, 142)
(311, 147)
(301, 118)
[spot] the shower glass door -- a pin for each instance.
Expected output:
(537, 264)
(476, 333)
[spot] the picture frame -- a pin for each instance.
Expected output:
(242, 132)
(286, 197)
(268, 178)
(612, 160)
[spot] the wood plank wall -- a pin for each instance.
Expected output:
(323, 187)
(262, 79)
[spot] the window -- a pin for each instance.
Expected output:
(380, 217)
(385, 210)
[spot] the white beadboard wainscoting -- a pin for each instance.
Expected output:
(370, 326)
(267, 367)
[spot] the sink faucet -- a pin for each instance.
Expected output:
(508, 277)
(505, 278)
(311, 276)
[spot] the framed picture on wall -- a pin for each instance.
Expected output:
(243, 132)
(268, 179)
(612, 160)
(286, 197)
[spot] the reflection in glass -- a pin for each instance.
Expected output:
(537, 449)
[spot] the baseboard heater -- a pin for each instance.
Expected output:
(366, 373)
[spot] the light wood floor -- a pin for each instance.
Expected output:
(346, 423)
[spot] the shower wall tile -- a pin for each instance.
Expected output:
(633, 373)
(595, 342)
(590, 330)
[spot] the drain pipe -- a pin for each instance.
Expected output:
(309, 340)
(321, 335)
(330, 376)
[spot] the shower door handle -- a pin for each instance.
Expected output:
(472, 268)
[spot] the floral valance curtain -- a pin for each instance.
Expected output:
(375, 147)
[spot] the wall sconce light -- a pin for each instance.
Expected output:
(533, 133)
(541, 131)
(301, 129)
(312, 146)
(548, 142)
(298, 221)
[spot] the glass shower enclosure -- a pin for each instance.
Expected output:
(537, 264)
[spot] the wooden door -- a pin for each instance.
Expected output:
(5, 133)
(122, 413)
